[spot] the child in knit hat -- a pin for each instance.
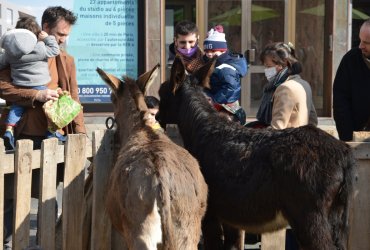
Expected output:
(226, 78)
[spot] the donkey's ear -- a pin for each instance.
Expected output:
(203, 74)
(136, 94)
(146, 80)
(138, 97)
(177, 73)
(109, 79)
(140, 103)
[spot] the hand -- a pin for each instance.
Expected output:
(59, 91)
(46, 95)
(42, 35)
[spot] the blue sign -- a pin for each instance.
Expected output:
(104, 36)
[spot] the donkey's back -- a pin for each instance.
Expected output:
(160, 193)
(157, 195)
(301, 176)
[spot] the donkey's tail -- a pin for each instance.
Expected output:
(339, 215)
(166, 219)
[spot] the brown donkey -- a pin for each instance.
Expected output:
(260, 180)
(157, 195)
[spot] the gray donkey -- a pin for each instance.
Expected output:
(157, 195)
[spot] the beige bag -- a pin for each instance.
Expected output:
(62, 111)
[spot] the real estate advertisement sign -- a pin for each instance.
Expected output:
(104, 36)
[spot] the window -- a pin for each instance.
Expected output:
(9, 16)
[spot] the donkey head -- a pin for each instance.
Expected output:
(128, 98)
(170, 91)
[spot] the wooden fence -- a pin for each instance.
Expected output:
(74, 154)
(85, 224)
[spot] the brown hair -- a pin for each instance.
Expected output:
(28, 23)
(53, 15)
(282, 54)
(185, 28)
(152, 102)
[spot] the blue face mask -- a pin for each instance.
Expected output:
(187, 52)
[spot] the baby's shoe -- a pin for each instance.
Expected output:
(9, 140)
(57, 135)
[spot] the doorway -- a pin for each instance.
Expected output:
(251, 24)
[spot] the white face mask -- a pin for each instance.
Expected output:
(270, 73)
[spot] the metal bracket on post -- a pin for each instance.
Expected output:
(250, 54)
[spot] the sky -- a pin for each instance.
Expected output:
(38, 6)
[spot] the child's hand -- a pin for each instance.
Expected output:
(42, 35)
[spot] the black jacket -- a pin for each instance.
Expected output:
(351, 94)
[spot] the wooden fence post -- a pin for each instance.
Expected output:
(274, 240)
(103, 154)
(2, 196)
(47, 200)
(73, 192)
(359, 230)
(22, 194)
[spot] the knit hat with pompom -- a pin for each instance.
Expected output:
(215, 39)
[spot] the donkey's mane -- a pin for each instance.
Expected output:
(199, 119)
(131, 107)
(137, 128)
(206, 133)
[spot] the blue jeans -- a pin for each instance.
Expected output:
(16, 111)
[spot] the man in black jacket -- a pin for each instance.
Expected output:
(351, 90)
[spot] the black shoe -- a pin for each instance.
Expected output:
(8, 140)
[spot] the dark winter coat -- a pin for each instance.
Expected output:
(226, 78)
(351, 94)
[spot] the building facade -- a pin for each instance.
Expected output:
(9, 15)
(320, 30)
